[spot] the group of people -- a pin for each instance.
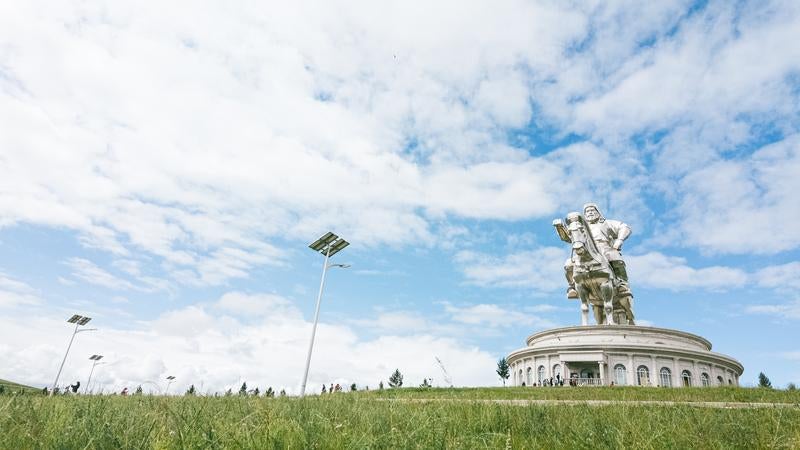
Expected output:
(557, 381)
(70, 389)
(73, 389)
(332, 389)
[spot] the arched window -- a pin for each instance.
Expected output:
(557, 375)
(666, 377)
(620, 375)
(529, 377)
(642, 376)
(540, 375)
(720, 381)
(687, 378)
(704, 380)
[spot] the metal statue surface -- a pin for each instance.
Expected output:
(596, 271)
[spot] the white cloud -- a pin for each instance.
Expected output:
(184, 143)
(241, 304)
(782, 277)
(659, 271)
(88, 271)
(15, 293)
(540, 270)
(199, 345)
(495, 316)
(788, 310)
(724, 201)
(399, 323)
(708, 69)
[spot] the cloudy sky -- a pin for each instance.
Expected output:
(163, 167)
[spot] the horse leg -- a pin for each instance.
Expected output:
(599, 317)
(607, 291)
(583, 293)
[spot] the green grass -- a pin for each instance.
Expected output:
(716, 394)
(384, 420)
(10, 386)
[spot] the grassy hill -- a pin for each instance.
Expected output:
(10, 386)
(407, 418)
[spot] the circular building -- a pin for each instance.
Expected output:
(621, 355)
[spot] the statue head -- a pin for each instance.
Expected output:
(592, 213)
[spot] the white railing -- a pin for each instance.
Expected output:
(585, 382)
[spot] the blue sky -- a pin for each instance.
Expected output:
(164, 168)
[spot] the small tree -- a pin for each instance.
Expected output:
(763, 381)
(243, 389)
(138, 390)
(283, 393)
(228, 393)
(791, 387)
(3, 389)
(380, 386)
(396, 380)
(502, 370)
(353, 387)
(269, 392)
(426, 383)
(191, 390)
(256, 392)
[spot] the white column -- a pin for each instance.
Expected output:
(601, 365)
(695, 374)
(631, 371)
(675, 374)
(653, 371)
(513, 375)
(548, 370)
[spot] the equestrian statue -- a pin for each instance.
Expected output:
(595, 270)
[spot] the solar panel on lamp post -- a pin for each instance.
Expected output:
(95, 359)
(171, 379)
(78, 320)
(329, 244)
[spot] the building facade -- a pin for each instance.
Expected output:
(621, 355)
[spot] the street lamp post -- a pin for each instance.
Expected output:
(171, 379)
(78, 321)
(95, 359)
(329, 245)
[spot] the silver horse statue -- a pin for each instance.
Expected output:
(594, 278)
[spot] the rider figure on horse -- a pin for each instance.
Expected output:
(608, 235)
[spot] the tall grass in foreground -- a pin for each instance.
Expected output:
(367, 421)
(623, 393)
